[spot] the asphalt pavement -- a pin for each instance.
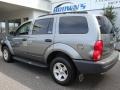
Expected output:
(21, 76)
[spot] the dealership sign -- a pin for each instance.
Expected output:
(68, 7)
(82, 5)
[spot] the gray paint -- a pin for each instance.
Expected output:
(76, 46)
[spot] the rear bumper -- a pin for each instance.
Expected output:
(89, 67)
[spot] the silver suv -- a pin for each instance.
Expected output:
(66, 43)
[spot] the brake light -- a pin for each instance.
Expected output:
(98, 50)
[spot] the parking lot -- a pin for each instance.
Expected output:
(20, 76)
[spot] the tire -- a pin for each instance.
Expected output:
(6, 54)
(63, 72)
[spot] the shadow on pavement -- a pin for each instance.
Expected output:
(38, 78)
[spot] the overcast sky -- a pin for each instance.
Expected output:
(65, 0)
(58, 0)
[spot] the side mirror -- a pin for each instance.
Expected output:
(118, 38)
(13, 33)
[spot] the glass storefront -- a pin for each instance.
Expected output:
(2, 27)
(8, 26)
(13, 25)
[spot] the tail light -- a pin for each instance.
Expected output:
(98, 50)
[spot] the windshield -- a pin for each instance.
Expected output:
(105, 25)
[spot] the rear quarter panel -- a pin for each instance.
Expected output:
(81, 43)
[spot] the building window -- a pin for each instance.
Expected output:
(2, 27)
(13, 24)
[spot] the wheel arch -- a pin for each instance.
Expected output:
(7, 44)
(54, 54)
(59, 47)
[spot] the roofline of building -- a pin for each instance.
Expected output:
(44, 10)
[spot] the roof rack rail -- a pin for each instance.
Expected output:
(80, 12)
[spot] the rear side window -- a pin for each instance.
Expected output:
(43, 26)
(73, 25)
(105, 25)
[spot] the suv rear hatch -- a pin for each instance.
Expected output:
(106, 30)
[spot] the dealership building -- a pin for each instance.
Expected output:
(14, 12)
(91, 6)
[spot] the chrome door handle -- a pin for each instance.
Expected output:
(24, 39)
(48, 40)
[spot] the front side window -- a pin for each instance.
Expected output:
(43, 26)
(24, 29)
(73, 25)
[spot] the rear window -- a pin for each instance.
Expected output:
(105, 25)
(73, 25)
